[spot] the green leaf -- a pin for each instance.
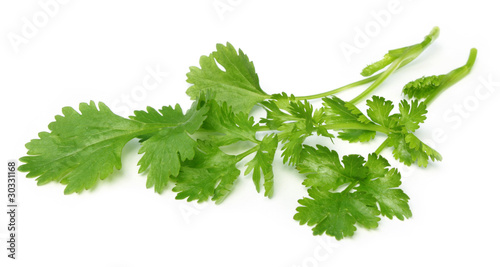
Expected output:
(276, 117)
(336, 213)
(383, 187)
(282, 100)
(402, 150)
(380, 110)
(412, 115)
(210, 174)
(370, 183)
(296, 120)
(377, 166)
(354, 167)
(422, 152)
(263, 163)
(338, 111)
(291, 114)
(166, 149)
(225, 127)
(303, 110)
(409, 149)
(237, 84)
(323, 131)
(293, 145)
(81, 148)
(354, 135)
(322, 168)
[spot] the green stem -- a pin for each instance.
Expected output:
(350, 187)
(382, 146)
(411, 53)
(453, 77)
(357, 126)
(344, 126)
(340, 89)
(243, 155)
(263, 128)
(379, 81)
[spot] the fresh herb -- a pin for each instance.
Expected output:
(186, 149)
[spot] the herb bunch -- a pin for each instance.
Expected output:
(183, 148)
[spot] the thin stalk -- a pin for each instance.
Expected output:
(382, 146)
(411, 53)
(263, 128)
(379, 81)
(343, 126)
(350, 187)
(340, 89)
(243, 155)
(454, 76)
(357, 126)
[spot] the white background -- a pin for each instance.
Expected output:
(102, 50)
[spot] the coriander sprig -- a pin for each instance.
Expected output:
(187, 149)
